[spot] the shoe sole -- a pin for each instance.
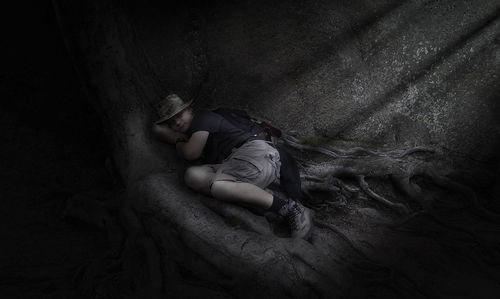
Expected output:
(309, 233)
(309, 215)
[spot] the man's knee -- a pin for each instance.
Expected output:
(197, 177)
(217, 189)
(222, 189)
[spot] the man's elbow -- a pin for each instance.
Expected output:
(190, 156)
(156, 131)
(160, 133)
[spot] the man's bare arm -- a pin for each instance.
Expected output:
(192, 149)
(164, 133)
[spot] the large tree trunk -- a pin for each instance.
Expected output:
(174, 236)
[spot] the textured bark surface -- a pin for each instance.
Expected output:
(374, 93)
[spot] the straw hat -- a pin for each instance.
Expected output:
(170, 106)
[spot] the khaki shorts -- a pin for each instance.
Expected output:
(255, 162)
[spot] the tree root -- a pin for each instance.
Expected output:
(360, 163)
(352, 152)
(469, 194)
(244, 255)
(399, 207)
(137, 254)
(333, 173)
(238, 216)
(175, 234)
(331, 227)
(197, 234)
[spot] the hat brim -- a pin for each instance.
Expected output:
(169, 116)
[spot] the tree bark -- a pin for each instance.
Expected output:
(174, 235)
(192, 236)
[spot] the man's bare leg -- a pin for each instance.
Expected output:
(199, 178)
(241, 192)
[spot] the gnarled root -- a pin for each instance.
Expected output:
(131, 250)
(248, 262)
(401, 165)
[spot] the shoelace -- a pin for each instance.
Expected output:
(292, 216)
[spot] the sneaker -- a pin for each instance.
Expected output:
(299, 218)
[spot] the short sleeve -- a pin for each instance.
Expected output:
(205, 121)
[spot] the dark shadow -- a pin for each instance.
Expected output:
(316, 58)
(202, 15)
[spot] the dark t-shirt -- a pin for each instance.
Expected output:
(223, 136)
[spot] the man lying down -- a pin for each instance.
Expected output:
(237, 165)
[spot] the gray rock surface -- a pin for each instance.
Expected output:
(378, 72)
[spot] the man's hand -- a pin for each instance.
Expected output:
(164, 133)
(181, 136)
